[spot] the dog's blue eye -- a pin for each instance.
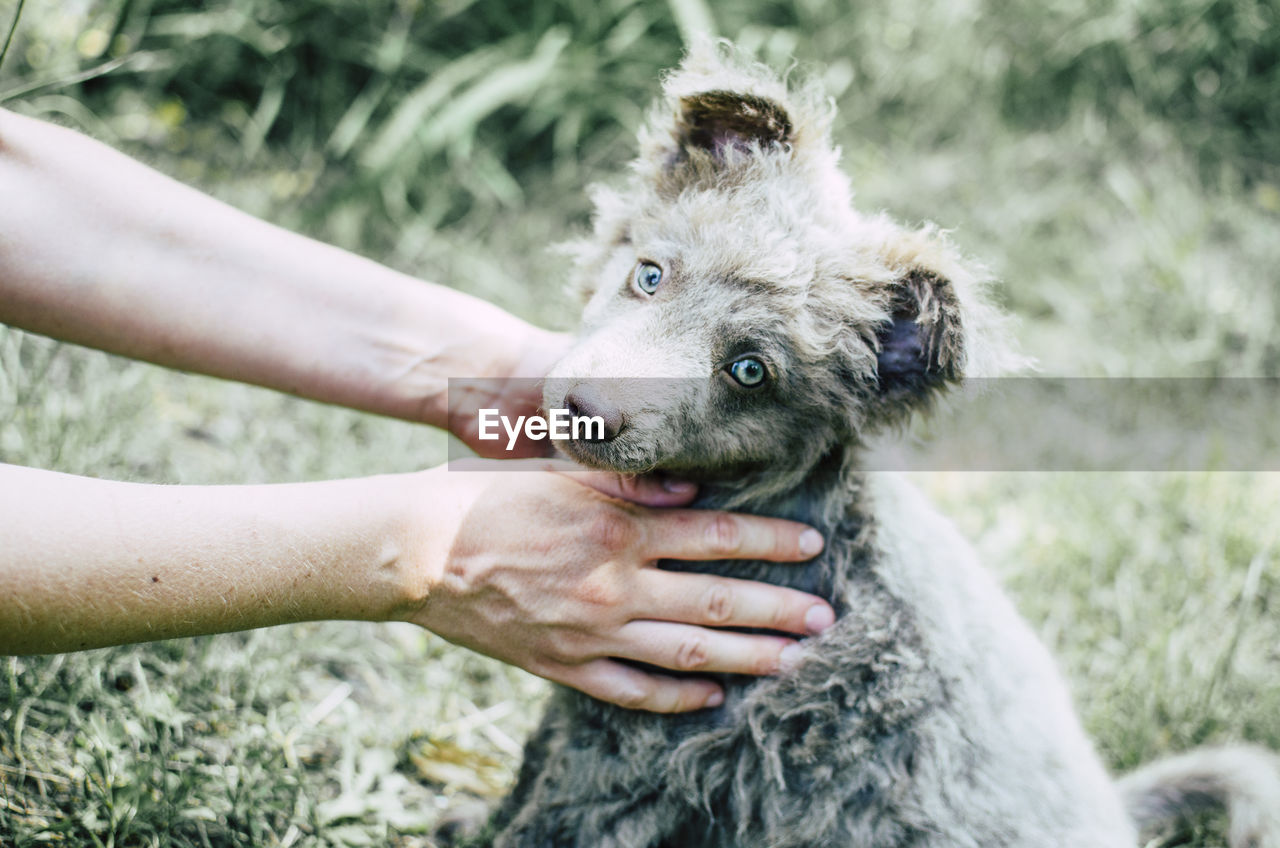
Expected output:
(648, 276)
(748, 372)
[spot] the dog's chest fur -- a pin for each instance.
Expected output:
(895, 721)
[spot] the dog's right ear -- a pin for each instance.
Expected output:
(920, 348)
(726, 124)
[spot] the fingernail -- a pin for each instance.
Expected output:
(818, 618)
(715, 699)
(810, 542)
(679, 487)
(790, 657)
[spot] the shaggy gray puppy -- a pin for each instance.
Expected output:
(781, 328)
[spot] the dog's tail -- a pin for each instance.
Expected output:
(1244, 781)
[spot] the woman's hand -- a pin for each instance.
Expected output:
(516, 390)
(555, 573)
(102, 251)
(550, 571)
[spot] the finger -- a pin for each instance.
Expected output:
(706, 534)
(728, 602)
(524, 448)
(468, 397)
(475, 463)
(491, 465)
(502, 448)
(609, 680)
(540, 351)
(681, 647)
(649, 489)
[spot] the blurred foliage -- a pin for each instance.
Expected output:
(366, 100)
(370, 104)
(1211, 68)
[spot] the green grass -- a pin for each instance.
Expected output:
(1131, 215)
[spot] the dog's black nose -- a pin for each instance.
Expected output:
(588, 401)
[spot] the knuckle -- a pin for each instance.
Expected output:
(692, 654)
(786, 543)
(596, 593)
(767, 662)
(545, 667)
(614, 531)
(632, 697)
(723, 535)
(565, 647)
(778, 616)
(718, 604)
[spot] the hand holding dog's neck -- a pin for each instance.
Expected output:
(820, 495)
(827, 496)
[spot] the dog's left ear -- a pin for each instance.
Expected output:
(920, 348)
(724, 123)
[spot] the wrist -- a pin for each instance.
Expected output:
(362, 554)
(426, 508)
(436, 333)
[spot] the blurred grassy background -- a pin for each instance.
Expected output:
(1116, 163)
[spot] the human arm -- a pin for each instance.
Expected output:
(515, 564)
(100, 250)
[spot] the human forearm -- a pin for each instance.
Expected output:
(100, 250)
(554, 574)
(88, 562)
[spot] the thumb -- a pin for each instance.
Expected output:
(656, 490)
(649, 489)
